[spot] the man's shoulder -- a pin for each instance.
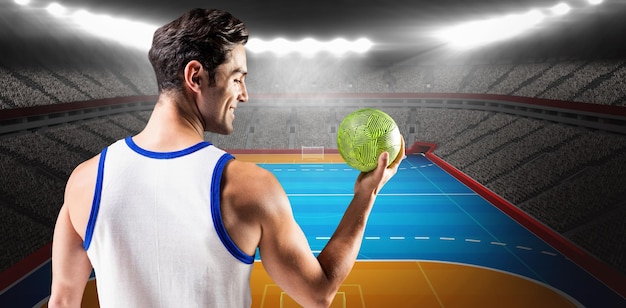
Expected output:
(245, 179)
(84, 174)
(247, 172)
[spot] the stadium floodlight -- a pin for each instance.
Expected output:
(362, 45)
(21, 2)
(560, 9)
(309, 46)
(595, 2)
(56, 9)
(476, 33)
(338, 46)
(127, 32)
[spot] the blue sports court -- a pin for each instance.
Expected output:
(424, 213)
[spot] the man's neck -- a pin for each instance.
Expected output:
(170, 127)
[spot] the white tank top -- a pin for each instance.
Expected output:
(155, 236)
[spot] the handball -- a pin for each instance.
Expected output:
(366, 133)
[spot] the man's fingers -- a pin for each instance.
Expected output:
(401, 155)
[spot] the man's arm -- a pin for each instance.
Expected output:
(70, 265)
(285, 252)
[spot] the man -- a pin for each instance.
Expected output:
(167, 219)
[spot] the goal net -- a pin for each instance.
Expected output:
(312, 152)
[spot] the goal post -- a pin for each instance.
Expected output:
(312, 152)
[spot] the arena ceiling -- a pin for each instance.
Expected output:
(402, 29)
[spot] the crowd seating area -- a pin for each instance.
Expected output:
(271, 126)
(313, 128)
(26, 86)
(568, 177)
(597, 82)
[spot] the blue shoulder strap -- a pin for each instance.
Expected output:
(95, 206)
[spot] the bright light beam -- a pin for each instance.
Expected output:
(560, 9)
(309, 46)
(476, 33)
(128, 32)
(56, 9)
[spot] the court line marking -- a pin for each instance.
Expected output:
(443, 238)
(388, 195)
(530, 268)
(430, 284)
(361, 294)
(264, 294)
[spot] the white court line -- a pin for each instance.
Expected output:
(322, 237)
(389, 195)
(396, 237)
(498, 243)
(372, 237)
(472, 240)
(447, 238)
(422, 237)
(523, 247)
(548, 253)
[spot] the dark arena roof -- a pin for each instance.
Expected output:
(400, 30)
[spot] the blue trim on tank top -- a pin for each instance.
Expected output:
(95, 205)
(165, 155)
(217, 214)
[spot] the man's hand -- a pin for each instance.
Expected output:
(372, 182)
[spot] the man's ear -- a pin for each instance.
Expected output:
(193, 75)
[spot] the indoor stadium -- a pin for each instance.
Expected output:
(512, 192)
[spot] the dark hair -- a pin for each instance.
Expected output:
(200, 34)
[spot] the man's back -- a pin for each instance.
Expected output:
(188, 259)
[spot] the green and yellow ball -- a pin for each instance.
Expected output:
(366, 133)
